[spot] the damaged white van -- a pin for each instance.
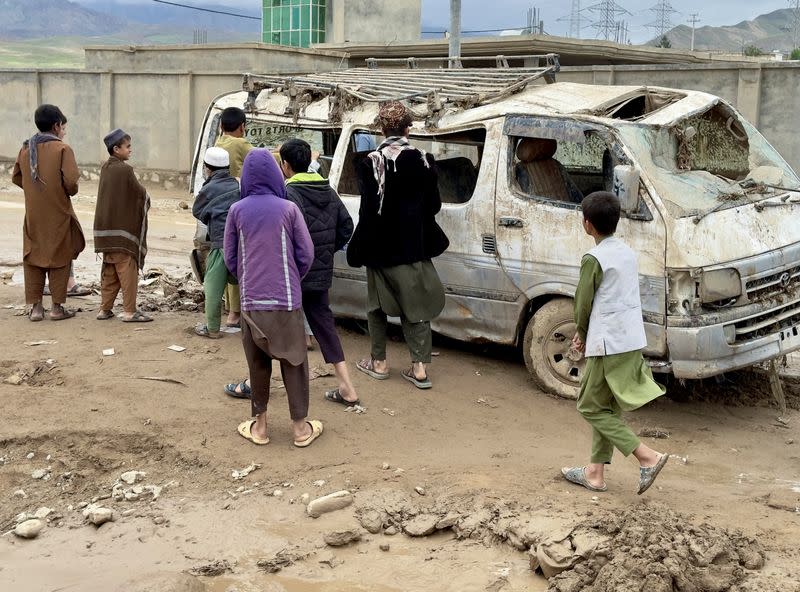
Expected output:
(710, 207)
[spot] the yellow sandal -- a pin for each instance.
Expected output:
(244, 432)
(316, 432)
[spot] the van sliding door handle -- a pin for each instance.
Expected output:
(511, 222)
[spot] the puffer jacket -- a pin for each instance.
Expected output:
(328, 223)
(219, 192)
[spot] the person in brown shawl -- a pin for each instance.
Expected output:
(51, 233)
(120, 229)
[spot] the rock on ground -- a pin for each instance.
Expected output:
(422, 525)
(371, 520)
(329, 503)
(29, 529)
(340, 538)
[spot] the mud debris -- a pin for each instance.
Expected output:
(281, 559)
(38, 373)
(653, 432)
(242, 473)
(215, 568)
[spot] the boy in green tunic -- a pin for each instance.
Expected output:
(611, 334)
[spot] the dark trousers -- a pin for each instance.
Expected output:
(57, 279)
(259, 362)
(316, 307)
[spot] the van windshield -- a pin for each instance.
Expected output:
(708, 162)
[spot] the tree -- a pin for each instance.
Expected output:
(752, 50)
(664, 42)
(795, 55)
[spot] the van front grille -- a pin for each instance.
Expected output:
(778, 319)
(775, 283)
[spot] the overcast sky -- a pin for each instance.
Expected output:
(502, 14)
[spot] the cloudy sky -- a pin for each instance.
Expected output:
(502, 14)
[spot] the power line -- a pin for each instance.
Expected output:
(244, 16)
(662, 24)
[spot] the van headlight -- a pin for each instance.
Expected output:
(720, 286)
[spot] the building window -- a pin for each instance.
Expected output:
(294, 22)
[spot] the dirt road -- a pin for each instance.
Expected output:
(484, 447)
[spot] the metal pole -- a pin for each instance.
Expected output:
(455, 34)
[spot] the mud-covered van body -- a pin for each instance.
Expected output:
(709, 206)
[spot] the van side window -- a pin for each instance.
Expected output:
(561, 170)
(458, 160)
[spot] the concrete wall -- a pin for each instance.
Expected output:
(364, 21)
(223, 58)
(164, 110)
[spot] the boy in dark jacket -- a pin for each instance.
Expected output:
(211, 206)
(330, 227)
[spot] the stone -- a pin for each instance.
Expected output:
(449, 521)
(398, 471)
(42, 513)
(319, 483)
(29, 529)
(390, 531)
(371, 520)
(159, 520)
(329, 503)
(99, 516)
(533, 559)
(182, 205)
(20, 493)
(422, 525)
(419, 490)
(82, 505)
(30, 455)
(340, 538)
(40, 473)
(131, 477)
(384, 547)
(128, 513)
(305, 498)
(277, 493)
(154, 178)
(386, 466)
(14, 379)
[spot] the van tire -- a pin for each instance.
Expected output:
(546, 345)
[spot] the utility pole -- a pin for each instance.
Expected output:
(694, 20)
(454, 52)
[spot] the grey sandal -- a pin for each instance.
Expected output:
(367, 366)
(577, 475)
(647, 475)
(420, 383)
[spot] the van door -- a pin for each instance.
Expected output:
(546, 166)
(482, 303)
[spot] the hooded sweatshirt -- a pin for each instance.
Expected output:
(267, 245)
(328, 223)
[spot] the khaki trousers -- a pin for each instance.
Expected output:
(57, 277)
(119, 271)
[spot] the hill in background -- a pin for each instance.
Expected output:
(768, 32)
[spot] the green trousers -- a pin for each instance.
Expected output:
(418, 336)
(610, 385)
(216, 279)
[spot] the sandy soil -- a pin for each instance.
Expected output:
(484, 445)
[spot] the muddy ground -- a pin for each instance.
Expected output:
(484, 447)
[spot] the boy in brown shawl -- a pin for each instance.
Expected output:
(51, 234)
(120, 229)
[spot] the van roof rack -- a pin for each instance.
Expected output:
(430, 88)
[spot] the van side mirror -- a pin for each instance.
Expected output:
(626, 187)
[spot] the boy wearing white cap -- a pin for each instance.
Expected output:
(211, 206)
(120, 229)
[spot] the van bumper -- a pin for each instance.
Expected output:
(700, 352)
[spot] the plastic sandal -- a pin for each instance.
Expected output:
(245, 432)
(238, 390)
(335, 396)
(367, 366)
(316, 432)
(647, 475)
(577, 475)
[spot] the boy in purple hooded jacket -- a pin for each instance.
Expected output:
(268, 247)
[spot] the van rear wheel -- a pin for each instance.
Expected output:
(546, 349)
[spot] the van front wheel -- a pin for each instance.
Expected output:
(546, 348)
